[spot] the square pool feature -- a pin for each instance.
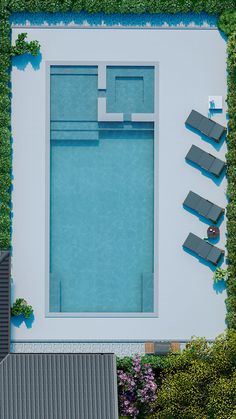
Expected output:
(130, 89)
(101, 196)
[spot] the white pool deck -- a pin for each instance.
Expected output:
(192, 66)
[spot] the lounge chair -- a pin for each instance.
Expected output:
(203, 207)
(206, 126)
(205, 160)
(203, 249)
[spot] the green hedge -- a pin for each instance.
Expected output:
(231, 174)
(227, 22)
(122, 6)
(199, 383)
(5, 134)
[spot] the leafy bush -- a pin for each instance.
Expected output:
(220, 274)
(22, 47)
(123, 6)
(136, 389)
(21, 307)
(227, 22)
(5, 145)
(200, 382)
(231, 190)
(6, 53)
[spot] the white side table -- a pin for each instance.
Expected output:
(215, 102)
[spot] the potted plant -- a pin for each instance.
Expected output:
(21, 308)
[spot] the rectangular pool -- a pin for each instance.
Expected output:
(101, 191)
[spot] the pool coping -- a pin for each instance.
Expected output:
(102, 64)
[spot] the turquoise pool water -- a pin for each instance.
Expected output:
(101, 192)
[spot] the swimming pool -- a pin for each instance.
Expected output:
(101, 189)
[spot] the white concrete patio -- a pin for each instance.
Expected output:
(192, 67)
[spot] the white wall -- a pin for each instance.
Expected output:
(192, 66)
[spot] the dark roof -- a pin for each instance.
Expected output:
(58, 386)
(4, 304)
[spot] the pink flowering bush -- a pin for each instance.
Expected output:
(137, 390)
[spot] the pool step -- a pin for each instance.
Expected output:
(74, 135)
(74, 125)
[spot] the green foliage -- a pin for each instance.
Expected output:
(5, 144)
(231, 190)
(122, 6)
(23, 47)
(21, 307)
(156, 362)
(220, 274)
(6, 53)
(200, 382)
(227, 22)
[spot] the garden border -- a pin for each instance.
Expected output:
(117, 6)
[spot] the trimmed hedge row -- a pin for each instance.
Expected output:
(231, 174)
(5, 134)
(120, 6)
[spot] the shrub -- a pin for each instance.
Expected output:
(201, 382)
(22, 47)
(21, 307)
(136, 389)
(227, 22)
(231, 190)
(220, 274)
(122, 6)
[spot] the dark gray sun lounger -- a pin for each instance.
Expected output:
(203, 249)
(205, 160)
(206, 126)
(203, 207)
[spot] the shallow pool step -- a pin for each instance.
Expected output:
(75, 135)
(74, 125)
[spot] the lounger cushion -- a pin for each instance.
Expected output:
(192, 242)
(206, 126)
(204, 249)
(217, 167)
(204, 207)
(206, 161)
(192, 200)
(215, 213)
(217, 132)
(214, 255)
(194, 154)
(194, 119)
